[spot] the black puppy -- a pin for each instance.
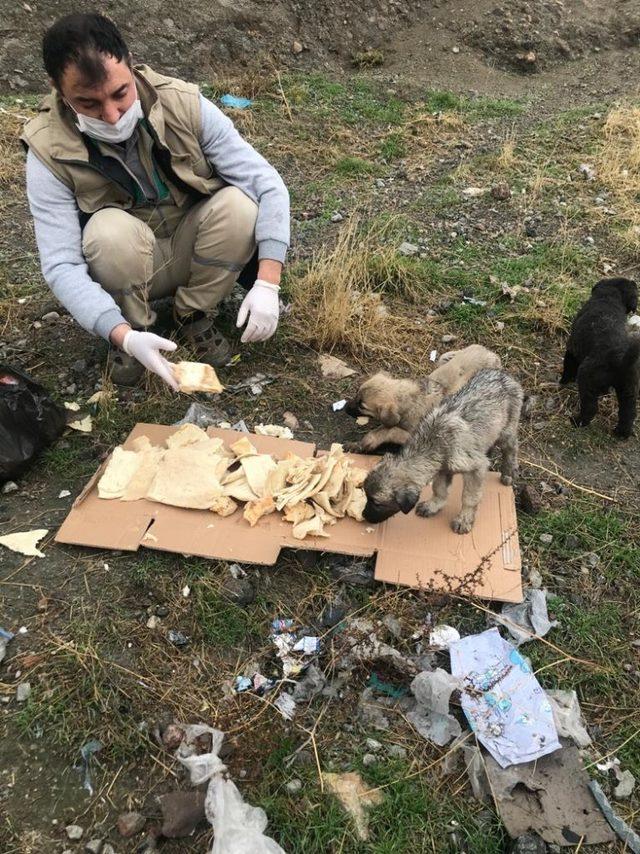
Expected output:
(602, 355)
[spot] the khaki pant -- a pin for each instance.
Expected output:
(195, 257)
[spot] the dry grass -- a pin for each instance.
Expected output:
(618, 167)
(338, 301)
(11, 154)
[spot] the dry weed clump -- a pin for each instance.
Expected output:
(338, 302)
(11, 154)
(618, 167)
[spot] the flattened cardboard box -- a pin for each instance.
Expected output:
(409, 550)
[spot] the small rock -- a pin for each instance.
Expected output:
(177, 638)
(529, 844)
(396, 751)
(408, 249)
(625, 787)
(238, 590)
(79, 367)
(182, 812)
(95, 846)
(109, 849)
(448, 338)
(373, 745)
(455, 50)
(393, 624)
(172, 737)
(588, 171)
(571, 542)
(546, 539)
(9, 487)
(130, 824)
(74, 832)
(290, 421)
(529, 58)
(71, 389)
(337, 217)
(304, 758)
(153, 622)
(592, 559)
(369, 759)
(294, 786)
(380, 182)
(51, 317)
(162, 611)
(528, 501)
(297, 47)
(23, 692)
(535, 579)
(332, 614)
(355, 572)
(501, 191)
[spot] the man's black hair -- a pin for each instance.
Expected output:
(84, 40)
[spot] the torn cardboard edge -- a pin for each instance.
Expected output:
(409, 550)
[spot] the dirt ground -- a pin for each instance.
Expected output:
(387, 115)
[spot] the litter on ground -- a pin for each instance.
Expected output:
(355, 796)
(25, 542)
(502, 699)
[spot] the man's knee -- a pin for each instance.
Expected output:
(113, 243)
(232, 214)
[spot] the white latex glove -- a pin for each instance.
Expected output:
(262, 305)
(146, 347)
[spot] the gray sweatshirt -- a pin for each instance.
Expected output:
(59, 236)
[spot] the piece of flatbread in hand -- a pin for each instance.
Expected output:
(186, 477)
(255, 510)
(194, 376)
(120, 470)
(25, 542)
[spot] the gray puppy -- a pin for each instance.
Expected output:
(454, 438)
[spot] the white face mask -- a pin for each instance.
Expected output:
(121, 131)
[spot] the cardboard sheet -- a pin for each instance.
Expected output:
(409, 550)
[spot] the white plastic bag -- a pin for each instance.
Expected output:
(238, 828)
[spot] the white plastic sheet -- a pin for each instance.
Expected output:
(238, 828)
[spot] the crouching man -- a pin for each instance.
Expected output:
(140, 188)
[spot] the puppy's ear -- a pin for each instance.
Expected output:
(407, 498)
(389, 414)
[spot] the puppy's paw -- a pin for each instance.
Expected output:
(352, 447)
(427, 508)
(623, 432)
(506, 479)
(368, 444)
(460, 525)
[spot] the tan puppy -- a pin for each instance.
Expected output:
(399, 405)
(456, 368)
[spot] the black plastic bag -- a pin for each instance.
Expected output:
(29, 421)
